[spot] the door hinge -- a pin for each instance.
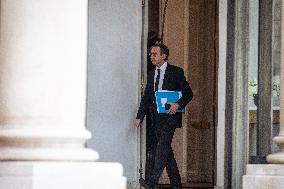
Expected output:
(142, 84)
(143, 3)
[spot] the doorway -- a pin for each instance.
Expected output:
(190, 32)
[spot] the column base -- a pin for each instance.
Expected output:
(218, 187)
(277, 158)
(58, 175)
(269, 176)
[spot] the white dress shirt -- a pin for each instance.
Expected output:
(162, 74)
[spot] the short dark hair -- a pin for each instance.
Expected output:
(163, 49)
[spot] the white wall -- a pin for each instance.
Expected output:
(113, 79)
(221, 92)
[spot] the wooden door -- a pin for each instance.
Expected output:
(190, 27)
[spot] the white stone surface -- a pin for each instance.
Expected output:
(114, 63)
(43, 58)
(61, 175)
(269, 176)
(43, 53)
(221, 93)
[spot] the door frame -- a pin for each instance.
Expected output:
(220, 88)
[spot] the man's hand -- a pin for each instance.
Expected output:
(174, 108)
(136, 122)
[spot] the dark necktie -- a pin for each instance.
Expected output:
(157, 80)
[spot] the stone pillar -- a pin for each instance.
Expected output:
(43, 50)
(270, 176)
(43, 80)
(278, 158)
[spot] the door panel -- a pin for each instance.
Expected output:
(189, 33)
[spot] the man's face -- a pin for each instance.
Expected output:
(157, 58)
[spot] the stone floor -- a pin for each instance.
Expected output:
(168, 187)
(184, 188)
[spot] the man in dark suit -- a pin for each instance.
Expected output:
(164, 77)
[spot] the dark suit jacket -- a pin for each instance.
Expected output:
(174, 80)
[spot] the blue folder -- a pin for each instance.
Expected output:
(163, 96)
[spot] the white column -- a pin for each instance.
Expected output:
(43, 80)
(43, 50)
(278, 158)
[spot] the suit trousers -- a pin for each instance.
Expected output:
(164, 157)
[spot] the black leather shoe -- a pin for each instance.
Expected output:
(142, 182)
(149, 187)
(176, 187)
